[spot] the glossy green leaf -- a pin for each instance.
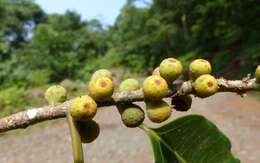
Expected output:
(190, 139)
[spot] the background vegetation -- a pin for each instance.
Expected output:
(37, 48)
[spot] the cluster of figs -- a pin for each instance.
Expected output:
(155, 87)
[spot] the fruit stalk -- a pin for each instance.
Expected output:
(77, 150)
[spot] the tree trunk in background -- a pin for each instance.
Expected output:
(184, 26)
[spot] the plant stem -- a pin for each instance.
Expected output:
(75, 140)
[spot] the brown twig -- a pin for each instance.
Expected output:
(35, 115)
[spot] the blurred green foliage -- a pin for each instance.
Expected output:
(38, 77)
(37, 48)
(11, 100)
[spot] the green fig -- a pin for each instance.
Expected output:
(101, 89)
(205, 85)
(88, 130)
(199, 67)
(101, 73)
(155, 88)
(170, 69)
(129, 84)
(158, 111)
(132, 115)
(55, 94)
(83, 108)
(156, 71)
(257, 74)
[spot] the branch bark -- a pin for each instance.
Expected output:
(35, 115)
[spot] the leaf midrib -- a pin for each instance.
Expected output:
(156, 136)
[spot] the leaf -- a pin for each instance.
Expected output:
(190, 139)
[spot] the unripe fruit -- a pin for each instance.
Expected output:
(182, 103)
(257, 74)
(101, 73)
(170, 69)
(88, 130)
(129, 85)
(205, 85)
(132, 115)
(155, 88)
(158, 111)
(55, 94)
(156, 71)
(101, 89)
(199, 67)
(83, 108)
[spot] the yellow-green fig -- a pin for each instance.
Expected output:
(155, 88)
(129, 84)
(101, 73)
(156, 71)
(158, 111)
(132, 115)
(83, 108)
(199, 67)
(170, 69)
(88, 130)
(205, 85)
(257, 74)
(181, 103)
(101, 89)
(55, 94)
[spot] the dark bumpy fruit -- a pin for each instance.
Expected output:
(132, 115)
(101, 89)
(129, 85)
(83, 108)
(182, 103)
(88, 130)
(257, 74)
(170, 69)
(155, 88)
(158, 111)
(205, 86)
(55, 94)
(199, 67)
(101, 73)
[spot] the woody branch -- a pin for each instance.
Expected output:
(35, 115)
